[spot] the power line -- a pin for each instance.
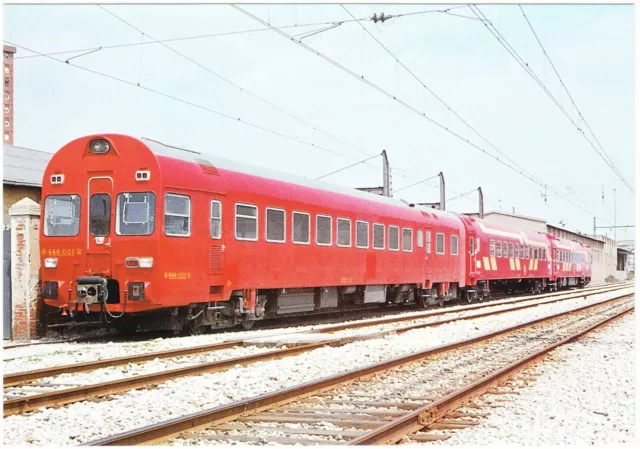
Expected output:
(461, 195)
(403, 103)
(437, 97)
(187, 102)
(349, 166)
(501, 39)
(416, 183)
(242, 89)
(568, 93)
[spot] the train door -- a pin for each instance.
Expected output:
(429, 250)
(99, 213)
(472, 258)
(216, 248)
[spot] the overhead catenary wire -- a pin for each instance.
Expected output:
(349, 166)
(404, 103)
(251, 94)
(461, 195)
(564, 86)
(416, 183)
(526, 67)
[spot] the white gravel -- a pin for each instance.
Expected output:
(190, 394)
(49, 355)
(584, 394)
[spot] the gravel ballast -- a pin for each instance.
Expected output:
(584, 394)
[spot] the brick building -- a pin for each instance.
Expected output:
(7, 129)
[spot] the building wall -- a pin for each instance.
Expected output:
(11, 194)
(7, 113)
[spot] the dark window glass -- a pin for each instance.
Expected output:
(246, 222)
(135, 213)
(344, 232)
(378, 236)
(62, 215)
(323, 230)
(439, 243)
(362, 234)
(100, 214)
(301, 227)
(275, 225)
(394, 238)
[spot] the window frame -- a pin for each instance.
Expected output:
(235, 221)
(90, 214)
(419, 238)
(457, 240)
(499, 249)
(492, 248)
(120, 217)
(330, 230)
(443, 243)
(367, 223)
(293, 227)
(266, 224)
(397, 228)
(373, 243)
(164, 215)
(427, 243)
(211, 217)
(79, 212)
(338, 232)
(410, 250)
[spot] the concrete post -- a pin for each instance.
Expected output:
(25, 268)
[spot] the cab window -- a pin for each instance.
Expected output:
(100, 214)
(62, 215)
(135, 213)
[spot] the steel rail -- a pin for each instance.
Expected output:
(66, 396)
(430, 413)
(29, 376)
(158, 432)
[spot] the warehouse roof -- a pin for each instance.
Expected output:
(24, 166)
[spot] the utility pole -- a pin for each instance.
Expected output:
(386, 175)
(481, 205)
(594, 227)
(442, 197)
(615, 229)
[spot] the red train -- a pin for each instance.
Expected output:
(152, 236)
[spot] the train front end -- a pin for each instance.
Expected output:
(97, 243)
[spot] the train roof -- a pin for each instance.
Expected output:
(201, 158)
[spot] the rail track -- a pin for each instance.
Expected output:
(284, 323)
(18, 385)
(387, 401)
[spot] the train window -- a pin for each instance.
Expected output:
(439, 243)
(177, 215)
(511, 250)
(535, 253)
(301, 228)
(344, 232)
(216, 219)
(100, 214)
(275, 225)
(420, 238)
(62, 215)
(521, 251)
(454, 245)
(394, 238)
(362, 234)
(499, 249)
(135, 213)
(323, 230)
(428, 245)
(246, 222)
(407, 239)
(471, 246)
(492, 248)
(505, 249)
(378, 236)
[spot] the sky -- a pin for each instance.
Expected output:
(312, 118)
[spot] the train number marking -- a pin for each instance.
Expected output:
(61, 252)
(172, 275)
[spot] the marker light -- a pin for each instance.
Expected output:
(138, 262)
(51, 262)
(99, 146)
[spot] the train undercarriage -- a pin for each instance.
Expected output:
(288, 303)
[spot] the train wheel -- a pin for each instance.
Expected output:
(424, 302)
(247, 323)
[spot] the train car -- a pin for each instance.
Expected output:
(146, 235)
(505, 259)
(571, 263)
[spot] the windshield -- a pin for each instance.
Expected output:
(62, 215)
(135, 213)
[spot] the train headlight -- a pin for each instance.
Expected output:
(99, 146)
(139, 262)
(51, 262)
